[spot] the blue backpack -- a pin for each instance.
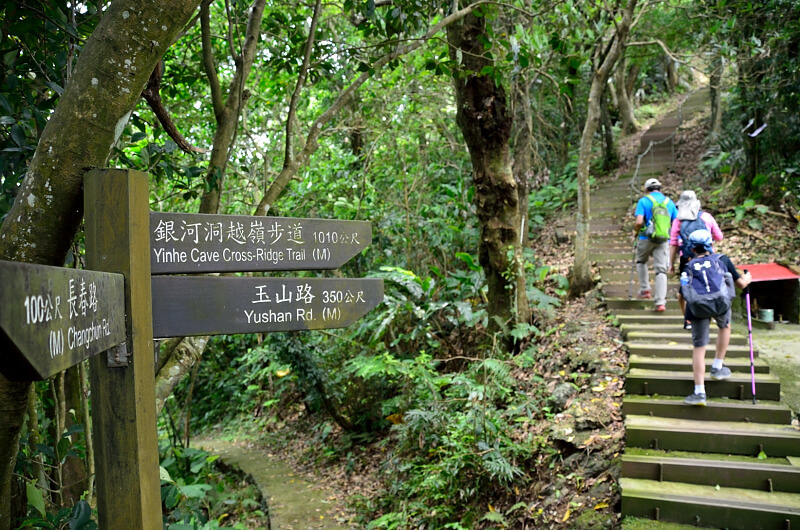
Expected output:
(687, 227)
(710, 289)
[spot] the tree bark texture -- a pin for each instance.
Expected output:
(484, 120)
(75, 477)
(581, 277)
(627, 119)
(715, 93)
(111, 72)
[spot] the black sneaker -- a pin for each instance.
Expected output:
(687, 325)
(720, 373)
(696, 399)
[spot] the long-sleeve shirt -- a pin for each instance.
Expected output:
(707, 218)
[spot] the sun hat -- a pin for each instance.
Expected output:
(652, 183)
(688, 206)
(701, 238)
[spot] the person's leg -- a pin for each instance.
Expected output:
(718, 371)
(699, 341)
(643, 249)
(661, 266)
(700, 334)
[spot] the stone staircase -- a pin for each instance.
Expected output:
(732, 464)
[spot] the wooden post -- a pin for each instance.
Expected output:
(123, 382)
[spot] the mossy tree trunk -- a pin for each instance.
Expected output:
(607, 54)
(484, 119)
(111, 72)
(627, 119)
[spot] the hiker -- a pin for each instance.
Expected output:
(690, 218)
(708, 292)
(655, 213)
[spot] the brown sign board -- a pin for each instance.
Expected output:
(182, 243)
(212, 305)
(52, 318)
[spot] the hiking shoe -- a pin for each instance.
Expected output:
(696, 399)
(720, 373)
(660, 308)
(687, 325)
(645, 295)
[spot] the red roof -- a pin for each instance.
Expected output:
(764, 272)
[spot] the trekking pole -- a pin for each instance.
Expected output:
(750, 338)
(633, 267)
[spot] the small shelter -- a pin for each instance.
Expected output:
(777, 287)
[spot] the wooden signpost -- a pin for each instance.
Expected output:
(182, 243)
(53, 318)
(184, 306)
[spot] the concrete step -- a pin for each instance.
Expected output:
(669, 318)
(676, 383)
(623, 290)
(743, 472)
(681, 336)
(718, 409)
(732, 508)
(725, 437)
(649, 349)
(657, 328)
(684, 364)
(611, 256)
(643, 305)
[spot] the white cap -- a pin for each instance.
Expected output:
(652, 183)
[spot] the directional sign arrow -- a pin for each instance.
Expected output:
(197, 243)
(52, 318)
(210, 305)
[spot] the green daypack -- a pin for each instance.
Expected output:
(659, 225)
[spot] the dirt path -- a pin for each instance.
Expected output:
(295, 503)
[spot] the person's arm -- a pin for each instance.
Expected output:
(639, 224)
(744, 280)
(640, 214)
(713, 227)
(740, 281)
(673, 253)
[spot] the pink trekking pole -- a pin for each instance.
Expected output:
(750, 338)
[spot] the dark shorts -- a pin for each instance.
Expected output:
(700, 327)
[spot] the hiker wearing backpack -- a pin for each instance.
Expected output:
(690, 218)
(654, 215)
(708, 290)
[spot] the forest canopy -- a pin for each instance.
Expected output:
(459, 130)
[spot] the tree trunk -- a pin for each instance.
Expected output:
(227, 112)
(630, 79)
(483, 117)
(626, 116)
(671, 72)
(715, 92)
(74, 474)
(113, 68)
(610, 154)
(524, 152)
(581, 276)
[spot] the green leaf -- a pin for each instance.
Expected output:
(467, 258)
(196, 491)
(762, 455)
(755, 224)
(164, 475)
(35, 497)
(18, 135)
(82, 517)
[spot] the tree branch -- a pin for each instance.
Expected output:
(152, 95)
